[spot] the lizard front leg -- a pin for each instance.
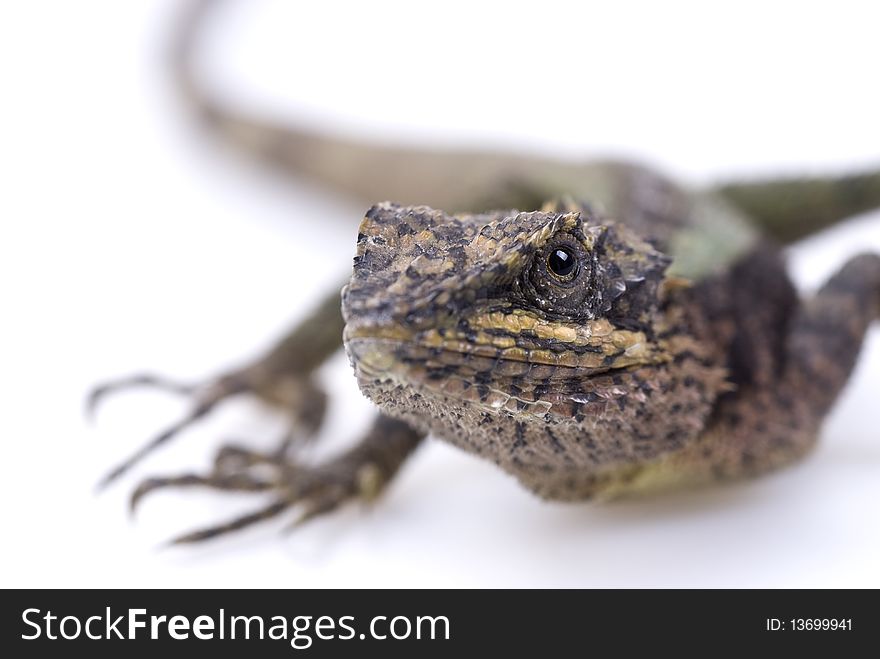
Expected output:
(361, 473)
(283, 379)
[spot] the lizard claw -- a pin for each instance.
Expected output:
(239, 482)
(272, 510)
(101, 391)
(222, 389)
(359, 474)
(319, 507)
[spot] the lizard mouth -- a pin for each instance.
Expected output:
(529, 379)
(597, 349)
(477, 381)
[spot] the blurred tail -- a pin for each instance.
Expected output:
(247, 133)
(362, 169)
(791, 208)
(183, 42)
(787, 209)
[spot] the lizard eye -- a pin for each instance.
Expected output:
(562, 263)
(559, 280)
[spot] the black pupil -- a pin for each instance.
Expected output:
(561, 262)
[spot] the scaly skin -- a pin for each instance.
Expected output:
(677, 354)
(613, 382)
(458, 326)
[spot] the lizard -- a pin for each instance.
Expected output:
(593, 328)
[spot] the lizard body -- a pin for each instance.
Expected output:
(609, 332)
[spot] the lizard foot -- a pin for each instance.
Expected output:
(295, 395)
(360, 473)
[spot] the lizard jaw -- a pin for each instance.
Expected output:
(522, 383)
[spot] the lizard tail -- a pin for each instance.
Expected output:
(279, 146)
(787, 209)
(790, 208)
(245, 132)
(181, 54)
(364, 170)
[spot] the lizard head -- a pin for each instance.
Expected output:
(501, 319)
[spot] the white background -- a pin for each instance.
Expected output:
(128, 244)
